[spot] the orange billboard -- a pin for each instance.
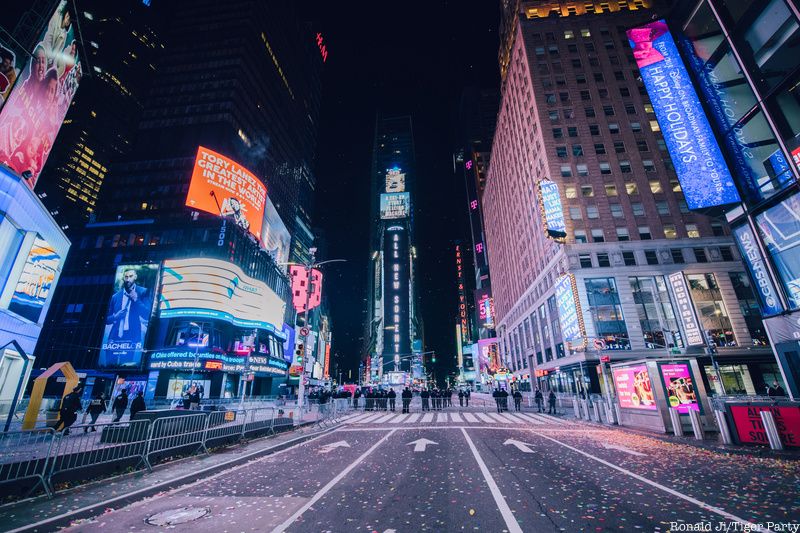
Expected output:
(223, 187)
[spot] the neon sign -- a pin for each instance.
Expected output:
(323, 50)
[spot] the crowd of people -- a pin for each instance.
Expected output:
(72, 404)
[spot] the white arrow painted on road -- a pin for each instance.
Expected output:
(622, 449)
(421, 444)
(330, 447)
(521, 446)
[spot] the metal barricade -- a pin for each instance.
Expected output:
(88, 446)
(175, 432)
(260, 420)
(26, 455)
(225, 426)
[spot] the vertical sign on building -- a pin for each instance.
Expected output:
(767, 294)
(570, 315)
(396, 308)
(688, 317)
(551, 210)
(463, 319)
(701, 169)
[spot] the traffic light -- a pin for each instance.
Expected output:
(300, 351)
(433, 359)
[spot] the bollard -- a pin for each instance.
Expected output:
(618, 413)
(724, 430)
(610, 412)
(677, 427)
(585, 410)
(697, 425)
(577, 409)
(774, 438)
(606, 416)
(596, 410)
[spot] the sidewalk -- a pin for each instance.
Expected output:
(90, 497)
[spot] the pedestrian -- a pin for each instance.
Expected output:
(406, 397)
(68, 413)
(97, 406)
(539, 399)
(496, 396)
(466, 397)
(460, 398)
(425, 396)
(551, 403)
(450, 397)
(776, 389)
(392, 396)
(186, 399)
(120, 404)
(503, 400)
(194, 398)
(517, 400)
(356, 396)
(137, 404)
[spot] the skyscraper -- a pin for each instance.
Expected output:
(394, 336)
(592, 247)
(235, 102)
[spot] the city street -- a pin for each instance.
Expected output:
(479, 472)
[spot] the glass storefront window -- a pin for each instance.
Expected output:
(711, 309)
(769, 41)
(606, 312)
(736, 379)
(656, 313)
(749, 307)
(779, 227)
(784, 107)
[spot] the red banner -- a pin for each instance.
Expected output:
(750, 429)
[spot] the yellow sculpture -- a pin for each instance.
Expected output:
(32, 412)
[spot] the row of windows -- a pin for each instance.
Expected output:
(644, 232)
(585, 95)
(610, 189)
(605, 168)
(608, 110)
(676, 256)
(594, 129)
(562, 151)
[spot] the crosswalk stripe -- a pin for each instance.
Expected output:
(411, 418)
(383, 419)
(358, 419)
(497, 417)
(427, 417)
(455, 417)
(470, 418)
(519, 418)
(398, 419)
(553, 420)
(530, 418)
(441, 418)
(485, 418)
(509, 418)
(369, 418)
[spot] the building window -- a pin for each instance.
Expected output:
(585, 96)
(598, 235)
(700, 255)
(585, 33)
(598, 77)
(613, 127)
(558, 133)
(656, 313)
(670, 232)
(642, 146)
(692, 232)
(550, 98)
(568, 113)
(564, 97)
(570, 192)
(580, 236)
(749, 307)
(561, 151)
(572, 48)
(623, 235)
(585, 260)
(592, 211)
(589, 111)
(583, 169)
(572, 131)
(726, 254)
(638, 209)
(644, 233)
(600, 149)
(636, 127)
(594, 129)
(587, 191)
(616, 211)
(711, 309)
(629, 258)
(611, 190)
(608, 110)
(566, 171)
(677, 256)
(631, 189)
(605, 168)
(577, 150)
(553, 115)
(607, 312)
(650, 166)
(603, 261)
(662, 208)
(653, 126)
(717, 229)
(576, 63)
(569, 34)
(575, 213)
(630, 109)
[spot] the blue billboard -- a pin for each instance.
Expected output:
(701, 169)
(767, 294)
(552, 212)
(569, 309)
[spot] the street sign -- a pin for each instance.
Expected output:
(304, 331)
(599, 344)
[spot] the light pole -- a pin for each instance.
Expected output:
(196, 349)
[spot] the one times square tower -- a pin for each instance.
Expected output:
(394, 332)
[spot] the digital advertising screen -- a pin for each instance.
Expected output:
(779, 227)
(10, 67)
(699, 164)
(35, 282)
(552, 211)
(679, 384)
(223, 187)
(634, 389)
(395, 180)
(35, 108)
(396, 320)
(570, 315)
(128, 314)
(395, 205)
(489, 355)
(211, 288)
(767, 294)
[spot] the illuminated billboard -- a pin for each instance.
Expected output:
(396, 306)
(484, 307)
(686, 312)
(275, 237)
(488, 355)
(10, 67)
(299, 277)
(128, 316)
(679, 384)
(570, 316)
(767, 294)
(223, 187)
(634, 388)
(551, 210)
(395, 180)
(701, 169)
(35, 282)
(395, 205)
(170, 359)
(779, 227)
(35, 108)
(211, 288)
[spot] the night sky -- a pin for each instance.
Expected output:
(413, 58)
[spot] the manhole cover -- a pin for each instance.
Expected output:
(177, 516)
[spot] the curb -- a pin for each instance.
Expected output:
(64, 519)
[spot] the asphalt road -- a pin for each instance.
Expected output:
(512, 474)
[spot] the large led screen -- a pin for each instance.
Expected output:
(552, 211)
(35, 109)
(779, 226)
(35, 282)
(276, 238)
(569, 309)
(128, 316)
(223, 187)
(395, 205)
(634, 388)
(679, 384)
(767, 294)
(211, 288)
(701, 169)
(10, 67)
(395, 180)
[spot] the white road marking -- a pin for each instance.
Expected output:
(369, 418)
(703, 505)
(520, 418)
(455, 417)
(382, 419)
(421, 444)
(531, 419)
(357, 419)
(485, 418)
(521, 446)
(398, 419)
(470, 418)
(427, 418)
(332, 446)
(509, 418)
(623, 449)
(411, 418)
(511, 523)
(496, 417)
(441, 418)
(324, 490)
